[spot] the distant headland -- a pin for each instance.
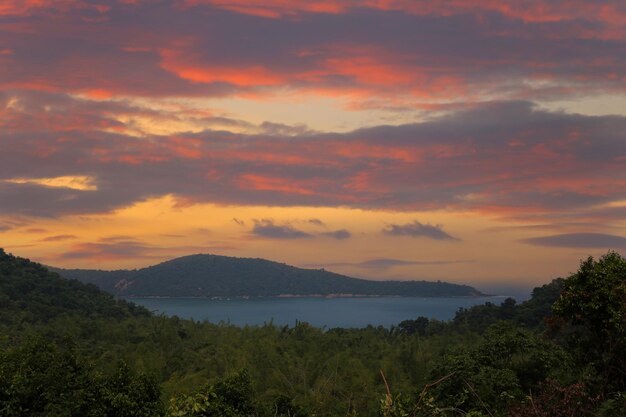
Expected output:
(223, 276)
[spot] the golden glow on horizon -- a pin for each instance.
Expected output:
(159, 229)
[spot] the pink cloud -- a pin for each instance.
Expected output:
(404, 53)
(507, 159)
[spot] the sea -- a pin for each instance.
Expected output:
(318, 311)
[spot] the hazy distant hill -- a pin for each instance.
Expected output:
(222, 276)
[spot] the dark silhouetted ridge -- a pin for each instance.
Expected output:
(222, 276)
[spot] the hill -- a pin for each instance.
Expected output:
(222, 276)
(30, 293)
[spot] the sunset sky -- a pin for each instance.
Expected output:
(479, 142)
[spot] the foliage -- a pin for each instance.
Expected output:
(553, 400)
(491, 360)
(40, 378)
(229, 397)
(322, 372)
(535, 311)
(29, 293)
(614, 406)
(418, 326)
(593, 306)
(499, 372)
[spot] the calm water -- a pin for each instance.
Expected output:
(320, 312)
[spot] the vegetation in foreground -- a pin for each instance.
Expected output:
(69, 349)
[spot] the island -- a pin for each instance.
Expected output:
(217, 276)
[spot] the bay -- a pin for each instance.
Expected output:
(317, 311)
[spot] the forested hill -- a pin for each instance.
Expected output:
(30, 293)
(222, 276)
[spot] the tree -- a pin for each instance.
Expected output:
(508, 363)
(229, 397)
(591, 314)
(40, 378)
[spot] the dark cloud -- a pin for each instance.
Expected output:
(555, 226)
(580, 240)
(340, 234)
(117, 248)
(108, 251)
(266, 228)
(163, 49)
(36, 230)
(10, 223)
(42, 201)
(385, 263)
(417, 229)
(508, 158)
(594, 216)
(116, 238)
(58, 238)
(279, 129)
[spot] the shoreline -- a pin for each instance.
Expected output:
(298, 296)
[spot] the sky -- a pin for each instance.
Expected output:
(479, 142)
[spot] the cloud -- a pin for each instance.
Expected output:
(36, 230)
(580, 240)
(117, 248)
(385, 263)
(340, 234)
(266, 228)
(116, 238)
(269, 229)
(108, 251)
(411, 50)
(238, 221)
(529, 11)
(508, 159)
(57, 238)
(10, 223)
(417, 229)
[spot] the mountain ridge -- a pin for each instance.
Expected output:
(207, 275)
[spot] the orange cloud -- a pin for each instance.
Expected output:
(273, 8)
(253, 76)
(265, 183)
(412, 59)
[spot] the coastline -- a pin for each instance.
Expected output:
(298, 296)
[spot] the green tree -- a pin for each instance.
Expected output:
(509, 362)
(591, 316)
(125, 394)
(40, 378)
(229, 397)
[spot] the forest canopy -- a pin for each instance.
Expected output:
(67, 348)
